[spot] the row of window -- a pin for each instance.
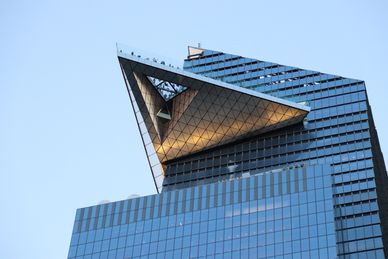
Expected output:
(217, 58)
(265, 77)
(364, 207)
(331, 89)
(352, 175)
(355, 196)
(298, 227)
(240, 69)
(352, 221)
(300, 86)
(300, 239)
(359, 233)
(194, 235)
(236, 169)
(324, 136)
(310, 214)
(338, 100)
(221, 252)
(195, 179)
(261, 210)
(339, 153)
(355, 186)
(286, 83)
(317, 80)
(360, 245)
(335, 137)
(271, 183)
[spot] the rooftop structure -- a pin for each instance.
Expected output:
(181, 113)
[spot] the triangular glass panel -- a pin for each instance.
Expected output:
(167, 90)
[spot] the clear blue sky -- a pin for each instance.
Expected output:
(68, 137)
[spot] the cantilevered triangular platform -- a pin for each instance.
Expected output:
(180, 113)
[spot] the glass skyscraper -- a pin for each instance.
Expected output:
(251, 159)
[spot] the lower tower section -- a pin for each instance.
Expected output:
(284, 213)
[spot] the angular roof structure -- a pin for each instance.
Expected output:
(180, 113)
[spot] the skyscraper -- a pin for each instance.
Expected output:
(251, 159)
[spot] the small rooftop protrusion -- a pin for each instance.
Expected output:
(194, 52)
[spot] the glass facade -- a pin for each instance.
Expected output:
(316, 188)
(277, 214)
